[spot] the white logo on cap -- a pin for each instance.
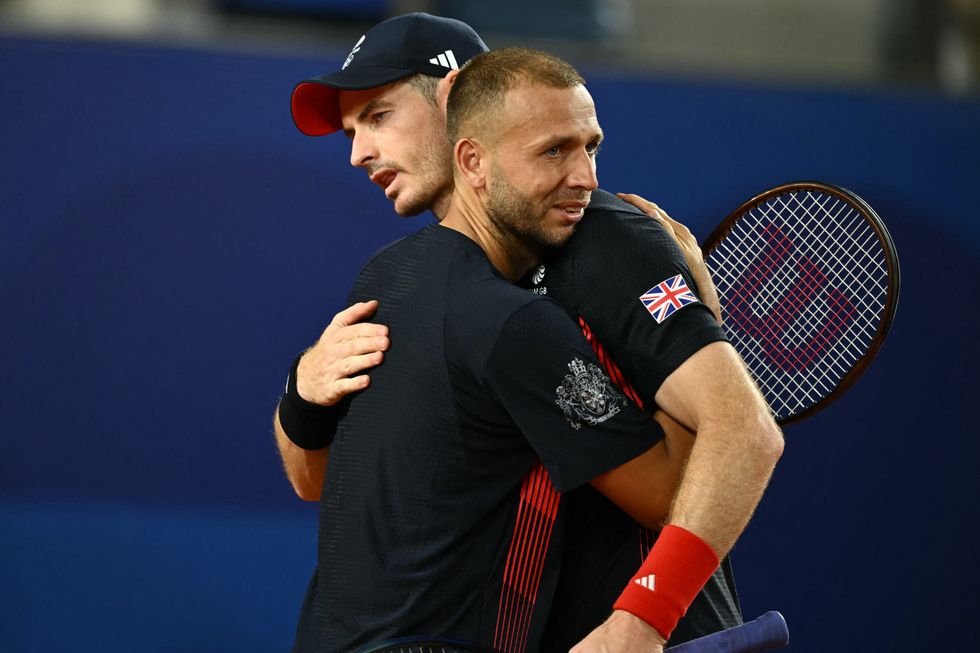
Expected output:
(350, 57)
(445, 59)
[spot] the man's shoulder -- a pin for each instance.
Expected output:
(605, 205)
(609, 221)
(481, 307)
(617, 234)
(413, 271)
(489, 298)
(423, 256)
(429, 237)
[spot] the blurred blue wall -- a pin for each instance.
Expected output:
(169, 241)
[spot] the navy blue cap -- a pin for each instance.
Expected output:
(391, 50)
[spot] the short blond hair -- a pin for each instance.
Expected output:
(483, 83)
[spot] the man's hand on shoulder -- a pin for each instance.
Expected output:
(622, 633)
(333, 367)
(689, 246)
(327, 372)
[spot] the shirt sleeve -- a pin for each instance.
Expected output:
(549, 380)
(635, 291)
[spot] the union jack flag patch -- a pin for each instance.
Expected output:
(666, 297)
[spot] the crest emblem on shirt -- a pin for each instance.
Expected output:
(586, 396)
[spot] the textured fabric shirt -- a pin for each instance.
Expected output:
(616, 278)
(437, 517)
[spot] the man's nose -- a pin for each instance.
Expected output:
(362, 149)
(583, 172)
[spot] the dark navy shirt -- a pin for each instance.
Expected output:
(617, 256)
(437, 517)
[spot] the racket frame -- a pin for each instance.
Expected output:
(891, 260)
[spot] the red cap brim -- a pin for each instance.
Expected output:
(316, 109)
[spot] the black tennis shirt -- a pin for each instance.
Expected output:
(436, 516)
(617, 255)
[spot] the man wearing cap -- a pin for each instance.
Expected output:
(412, 188)
(439, 510)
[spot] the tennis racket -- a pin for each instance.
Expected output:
(808, 280)
(767, 632)
(763, 634)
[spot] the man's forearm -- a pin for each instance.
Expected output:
(726, 475)
(732, 459)
(735, 452)
(305, 469)
(645, 488)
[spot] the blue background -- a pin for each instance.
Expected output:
(169, 241)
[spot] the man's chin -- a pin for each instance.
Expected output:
(559, 238)
(407, 208)
(543, 245)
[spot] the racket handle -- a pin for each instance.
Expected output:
(767, 632)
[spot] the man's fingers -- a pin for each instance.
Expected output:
(349, 323)
(344, 387)
(636, 201)
(644, 205)
(354, 364)
(355, 313)
(679, 231)
(341, 377)
(361, 330)
(650, 209)
(359, 346)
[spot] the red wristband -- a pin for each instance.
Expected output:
(676, 569)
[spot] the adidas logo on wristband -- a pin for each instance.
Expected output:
(646, 581)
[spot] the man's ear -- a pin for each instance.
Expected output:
(472, 162)
(442, 89)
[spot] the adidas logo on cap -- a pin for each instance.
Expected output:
(445, 59)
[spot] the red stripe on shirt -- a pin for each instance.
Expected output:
(536, 513)
(611, 368)
(646, 536)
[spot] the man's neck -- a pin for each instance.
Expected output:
(511, 257)
(440, 206)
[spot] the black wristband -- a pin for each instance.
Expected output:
(307, 425)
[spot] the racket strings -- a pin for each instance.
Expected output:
(847, 250)
(850, 246)
(839, 249)
(803, 283)
(813, 315)
(761, 333)
(837, 306)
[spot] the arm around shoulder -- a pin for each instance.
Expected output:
(332, 370)
(644, 488)
(737, 447)
(710, 484)
(730, 464)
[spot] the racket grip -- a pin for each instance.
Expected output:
(767, 632)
